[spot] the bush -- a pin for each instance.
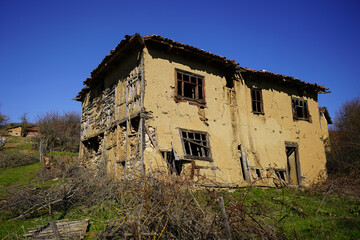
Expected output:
(16, 159)
(168, 210)
(60, 132)
(344, 154)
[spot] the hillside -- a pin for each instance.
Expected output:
(33, 195)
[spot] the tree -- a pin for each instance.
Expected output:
(344, 155)
(60, 132)
(3, 121)
(24, 124)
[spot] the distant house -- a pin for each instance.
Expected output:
(16, 130)
(32, 132)
(156, 105)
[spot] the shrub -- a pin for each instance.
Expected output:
(344, 154)
(16, 158)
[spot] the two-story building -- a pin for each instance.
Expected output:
(155, 106)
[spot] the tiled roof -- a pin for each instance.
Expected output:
(192, 49)
(132, 40)
(285, 78)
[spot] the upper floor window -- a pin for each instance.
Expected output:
(256, 100)
(195, 144)
(300, 109)
(189, 86)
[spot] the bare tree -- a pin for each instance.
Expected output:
(60, 132)
(3, 122)
(344, 155)
(24, 125)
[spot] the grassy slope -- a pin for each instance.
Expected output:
(302, 214)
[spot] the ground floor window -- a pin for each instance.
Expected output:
(195, 144)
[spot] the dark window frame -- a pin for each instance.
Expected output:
(189, 86)
(257, 105)
(196, 144)
(300, 109)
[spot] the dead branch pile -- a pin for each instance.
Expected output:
(145, 208)
(342, 185)
(10, 159)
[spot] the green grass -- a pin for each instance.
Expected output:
(19, 175)
(298, 212)
(303, 216)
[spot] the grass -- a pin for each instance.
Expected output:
(19, 175)
(19, 144)
(302, 214)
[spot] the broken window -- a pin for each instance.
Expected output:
(300, 109)
(195, 144)
(256, 99)
(258, 173)
(93, 144)
(281, 174)
(189, 86)
(174, 166)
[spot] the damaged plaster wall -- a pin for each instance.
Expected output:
(105, 119)
(111, 121)
(264, 135)
(229, 121)
(169, 115)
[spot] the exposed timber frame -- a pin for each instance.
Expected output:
(135, 85)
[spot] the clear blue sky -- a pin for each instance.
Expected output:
(48, 48)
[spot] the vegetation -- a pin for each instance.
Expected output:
(24, 125)
(169, 208)
(60, 132)
(3, 121)
(344, 155)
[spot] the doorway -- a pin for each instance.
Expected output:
(293, 164)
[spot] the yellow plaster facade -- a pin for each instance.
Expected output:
(133, 120)
(14, 131)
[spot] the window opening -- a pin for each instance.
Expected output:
(189, 86)
(256, 99)
(258, 173)
(300, 109)
(174, 166)
(195, 144)
(281, 174)
(93, 144)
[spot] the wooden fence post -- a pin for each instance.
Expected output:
(55, 230)
(223, 214)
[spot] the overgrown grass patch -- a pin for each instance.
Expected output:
(19, 175)
(59, 153)
(304, 214)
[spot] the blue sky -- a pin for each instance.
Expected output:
(48, 48)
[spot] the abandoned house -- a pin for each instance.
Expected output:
(16, 130)
(156, 106)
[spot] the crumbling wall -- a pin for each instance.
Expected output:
(265, 135)
(110, 119)
(169, 115)
(228, 119)
(244, 146)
